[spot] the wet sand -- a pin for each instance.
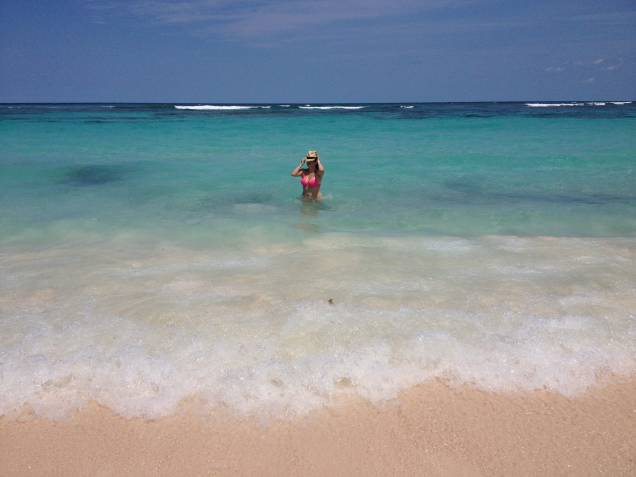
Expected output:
(432, 429)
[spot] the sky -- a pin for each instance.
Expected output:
(242, 51)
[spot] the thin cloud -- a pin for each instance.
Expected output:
(614, 18)
(554, 69)
(251, 18)
(600, 63)
(164, 11)
(614, 66)
(589, 80)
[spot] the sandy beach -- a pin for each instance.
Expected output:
(432, 429)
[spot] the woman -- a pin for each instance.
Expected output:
(311, 177)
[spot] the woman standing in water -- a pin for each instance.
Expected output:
(310, 177)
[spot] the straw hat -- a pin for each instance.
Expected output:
(311, 156)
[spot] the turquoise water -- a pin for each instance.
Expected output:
(150, 253)
(158, 170)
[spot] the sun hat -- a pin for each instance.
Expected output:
(311, 155)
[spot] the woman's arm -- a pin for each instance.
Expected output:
(297, 171)
(321, 168)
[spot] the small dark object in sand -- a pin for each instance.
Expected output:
(330, 300)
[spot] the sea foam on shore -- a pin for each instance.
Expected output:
(139, 330)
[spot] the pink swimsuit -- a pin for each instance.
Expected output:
(307, 182)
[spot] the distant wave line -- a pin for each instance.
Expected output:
(331, 107)
(552, 105)
(588, 103)
(212, 107)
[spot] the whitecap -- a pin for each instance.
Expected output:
(406, 107)
(552, 105)
(596, 103)
(332, 107)
(213, 107)
(620, 103)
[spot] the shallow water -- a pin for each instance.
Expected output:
(150, 253)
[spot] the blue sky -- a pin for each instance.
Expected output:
(316, 51)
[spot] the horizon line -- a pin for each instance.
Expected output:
(313, 102)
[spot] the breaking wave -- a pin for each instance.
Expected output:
(553, 105)
(331, 107)
(213, 107)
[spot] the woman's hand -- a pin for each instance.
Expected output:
(296, 172)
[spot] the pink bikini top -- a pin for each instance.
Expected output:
(307, 182)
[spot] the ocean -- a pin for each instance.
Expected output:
(154, 252)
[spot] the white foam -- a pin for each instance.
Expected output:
(596, 103)
(553, 105)
(620, 103)
(331, 107)
(140, 330)
(406, 106)
(212, 107)
(284, 105)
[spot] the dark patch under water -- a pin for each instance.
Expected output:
(94, 175)
(476, 191)
(255, 198)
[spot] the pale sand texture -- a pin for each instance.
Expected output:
(431, 430)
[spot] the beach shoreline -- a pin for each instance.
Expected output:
(431, 429)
